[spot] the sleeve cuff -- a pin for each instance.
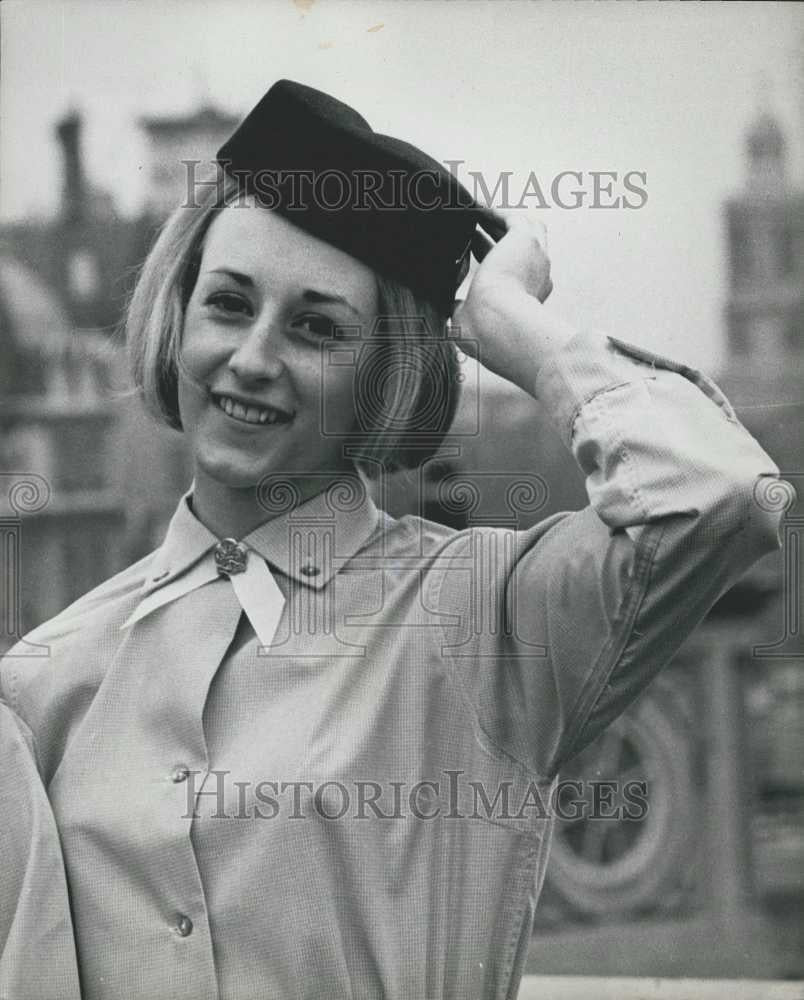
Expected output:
(591, 363)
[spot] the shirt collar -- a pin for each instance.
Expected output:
(309, 543)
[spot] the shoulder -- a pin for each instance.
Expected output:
(76, 635)
(411, 535)
(430, 545)
(101, 605)
(452, 563)
(50, 676)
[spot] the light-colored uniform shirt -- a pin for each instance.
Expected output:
(359, 809)
(37, 950)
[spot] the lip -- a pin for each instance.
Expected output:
(215, 396)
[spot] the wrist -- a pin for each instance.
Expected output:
(540, 334)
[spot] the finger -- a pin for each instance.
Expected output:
(527, 222)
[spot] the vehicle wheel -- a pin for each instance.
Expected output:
(603, 866)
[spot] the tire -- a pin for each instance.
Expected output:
(612, 866)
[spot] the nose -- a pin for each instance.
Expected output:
(258, 357)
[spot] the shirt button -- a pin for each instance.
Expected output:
(309, 570)
(180, 773)
(184, 926)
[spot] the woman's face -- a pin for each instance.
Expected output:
(254, 383)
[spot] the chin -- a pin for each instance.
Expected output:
(226, 472)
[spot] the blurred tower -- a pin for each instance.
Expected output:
(80, 279)
(171, 141)
(764, 376)
(74, 188)
(88, 247)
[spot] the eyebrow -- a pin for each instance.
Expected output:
(309, 294)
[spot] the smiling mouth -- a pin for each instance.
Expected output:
(250, 413)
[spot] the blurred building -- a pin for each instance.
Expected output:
(108, 476)
(180, 148)
(765, 379)
(764, 376)
(87, 253)
(56, 454)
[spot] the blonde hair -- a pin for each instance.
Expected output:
(406, 377)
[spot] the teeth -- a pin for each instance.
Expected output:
(249, 414)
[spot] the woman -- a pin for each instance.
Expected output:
(305, 749)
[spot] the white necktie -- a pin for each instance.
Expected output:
(253, 583)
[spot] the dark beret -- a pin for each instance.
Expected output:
(320, 164)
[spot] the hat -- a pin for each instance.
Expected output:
(321, 165)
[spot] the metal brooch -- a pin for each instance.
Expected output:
(230, 557)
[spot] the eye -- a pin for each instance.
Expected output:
(315, 324)
(230, 304)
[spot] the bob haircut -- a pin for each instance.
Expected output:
(406, 382)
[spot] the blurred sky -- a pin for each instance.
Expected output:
(667, 89)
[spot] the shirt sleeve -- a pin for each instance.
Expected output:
(37, 949)
(597, 601)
